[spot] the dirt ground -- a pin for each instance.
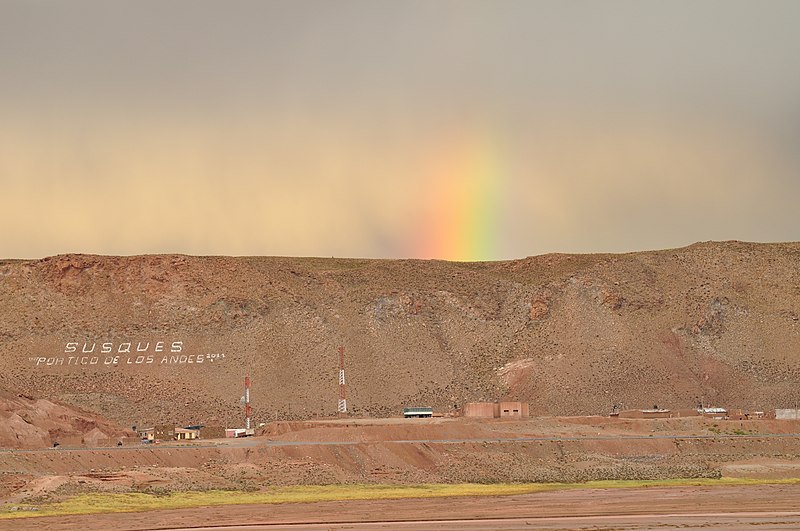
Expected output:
(400, 451)
(713, 323)
(744, 507)
(717, 323)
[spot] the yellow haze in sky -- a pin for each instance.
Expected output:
(122, 187)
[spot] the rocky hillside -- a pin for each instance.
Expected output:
(170, 338)
(26, 422)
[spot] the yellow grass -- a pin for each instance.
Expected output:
(136, 502)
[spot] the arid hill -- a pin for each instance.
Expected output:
(149, 339)
(26, 422)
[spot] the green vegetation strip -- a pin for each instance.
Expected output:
(136, 502)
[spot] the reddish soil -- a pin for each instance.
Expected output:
(168, 339)
(570, 334)
(29, 423)
(414, 451)
(773, 506)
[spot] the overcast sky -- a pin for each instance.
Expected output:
(424, 129)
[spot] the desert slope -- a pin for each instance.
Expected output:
(169, 338)
(26, 422)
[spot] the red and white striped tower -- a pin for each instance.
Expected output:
(342, 386)
(247, 409)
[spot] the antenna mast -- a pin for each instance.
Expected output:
(342, 386)
(247, 409)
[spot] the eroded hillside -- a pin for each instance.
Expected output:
(26, 422)
(169, 338)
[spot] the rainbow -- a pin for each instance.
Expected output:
(463, 205)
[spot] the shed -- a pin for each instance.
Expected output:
(496, 409)
(238, 432)
(718, 413)
(417, 412)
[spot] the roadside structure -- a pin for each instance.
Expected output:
(717, 413)
(417, 412)
(496, 409)
(183, 434)
(655, 413)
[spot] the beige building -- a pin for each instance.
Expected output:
(496, 409)
(168, 433)
(182, 434)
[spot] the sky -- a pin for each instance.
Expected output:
(457, 130)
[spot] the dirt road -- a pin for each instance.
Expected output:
(721, 522)
(766, 506)
(540, 450)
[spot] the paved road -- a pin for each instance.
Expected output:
(707, 521)
(261, 441)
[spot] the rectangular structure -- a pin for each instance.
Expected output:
(645, 414)
(513, 409)
(183, 434)
(496, 410)
(716, 413)
(417, 412)
(487, 410)
(787, 414)
(677, 413)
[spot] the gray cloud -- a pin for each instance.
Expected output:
(312, 128)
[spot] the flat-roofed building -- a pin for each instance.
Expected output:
(184, 434)
(513, 409)
(655, 413)
(718, 413)
(487, 410)
(496, 409)
(417, 412)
